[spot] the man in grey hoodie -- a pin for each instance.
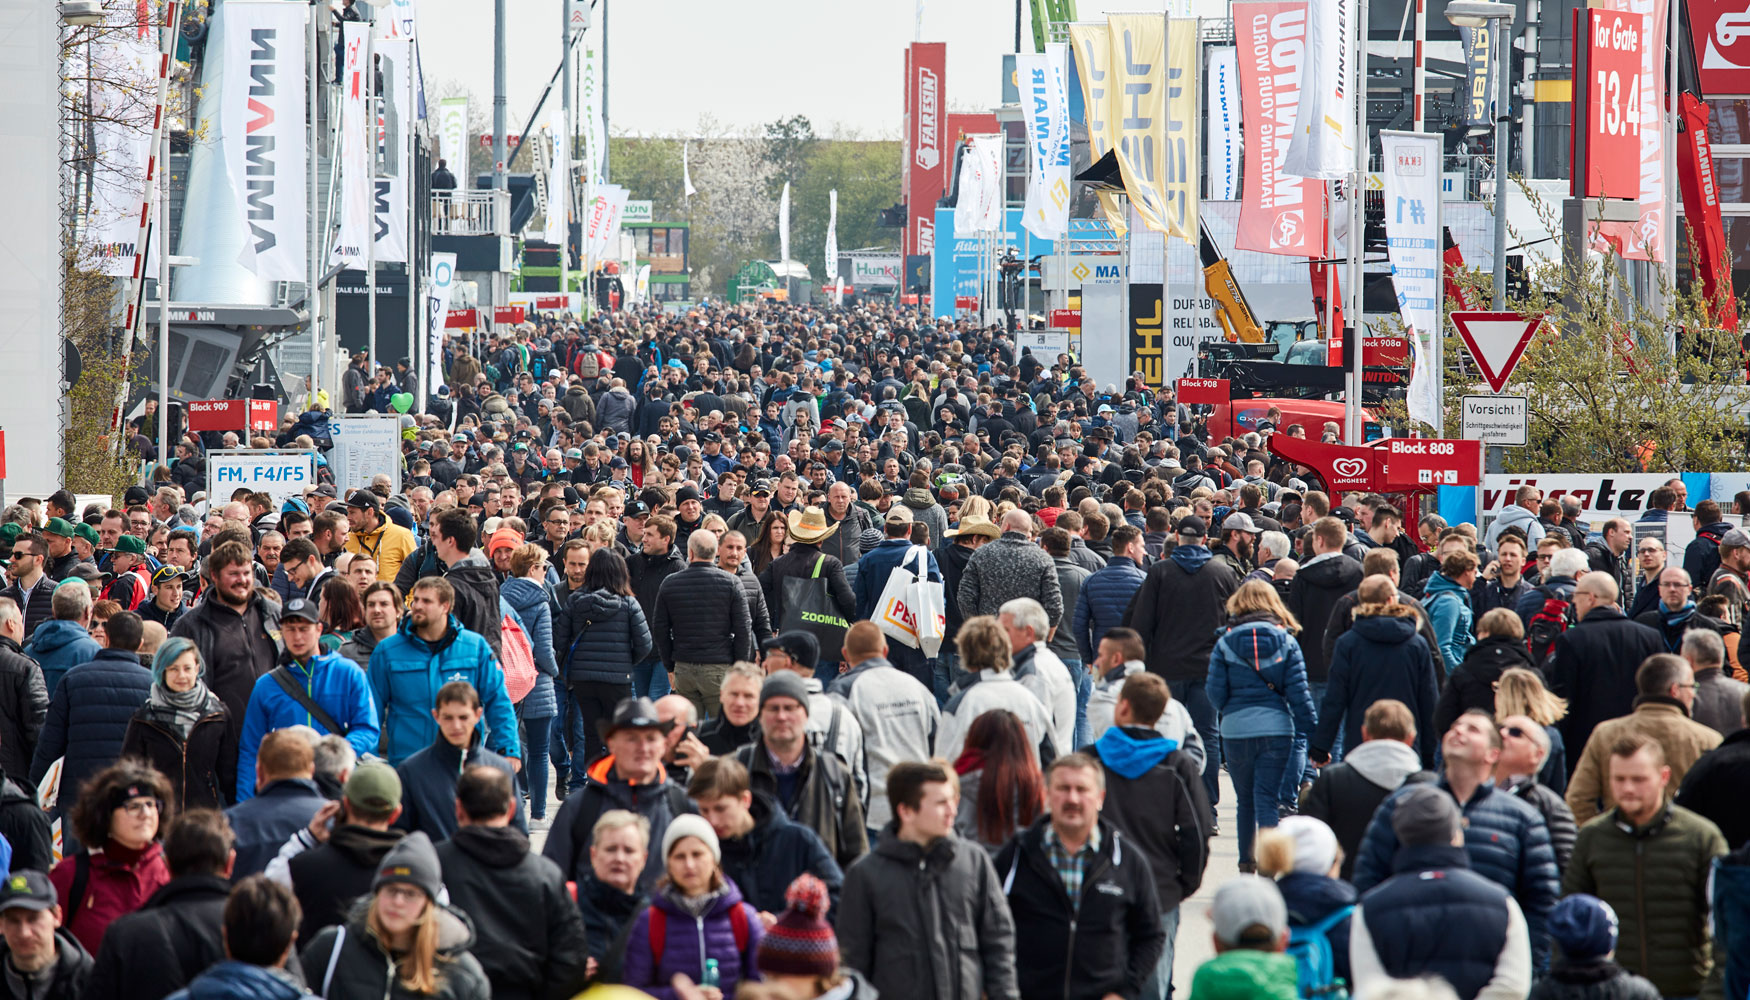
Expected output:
(1346, 794)
(1522, 515)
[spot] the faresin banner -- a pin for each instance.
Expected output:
(261, 127)
(355, 147)
(926, 142)
(1279, 212)
(1139, 86)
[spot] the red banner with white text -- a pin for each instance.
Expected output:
(1279, 213)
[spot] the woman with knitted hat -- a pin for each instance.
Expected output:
(1303, 856)
(184, 731)
(696, 922)
(800, 954)
(400, 942)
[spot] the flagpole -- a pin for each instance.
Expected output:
(375, 136)
(1357, 234)
(312, 262)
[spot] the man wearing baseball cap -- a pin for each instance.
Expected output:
(166, 605)
(61, 560)
(41, 960)
(1250, 924)
(331, 862)
(369, 533)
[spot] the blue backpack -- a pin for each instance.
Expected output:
(1315, 963)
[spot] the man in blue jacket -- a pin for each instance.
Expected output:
(332, 695)
(1107, 592)
(431, 650)
(1505, 838)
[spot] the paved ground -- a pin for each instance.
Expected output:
(1194, 946)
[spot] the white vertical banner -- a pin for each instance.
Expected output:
(124, 63)
(589, 102)
(980, 187)
(355, 147)
(687, 172)
(394, 24)
(832, 235)
(1225, 150)
(784, 225)
(261, 130)
(1411, 162)
(395, 150)
(602, 226)
(453, 135)
(1323, 145)
(1043, 81)
(443, 277)
(558, 190)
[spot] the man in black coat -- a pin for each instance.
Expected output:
(158, 949)
(1593, 663)
(1107, 911)
(1181, 603)
(1714, 787)
(518, 900)
(24, 699)
(453, 535)
(1155, 798)
(701, 625)
(1345, 795)
(1319, 584)
(336, 856)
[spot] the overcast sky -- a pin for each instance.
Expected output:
(840, 62)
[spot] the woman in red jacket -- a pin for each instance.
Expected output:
(120, 818)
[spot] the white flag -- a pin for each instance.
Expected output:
(687, 173)
(602, 226)
(1411, 162)
(355, 147)
(589, 108)
(1323, 145)
(395, 150)
(453, 135)
(558, 191)
(832, 236)
(443, 276)
(1043, 80)
(261, 125)
(980, 205)
(784, 225)
(1224, 123)
(125, 55)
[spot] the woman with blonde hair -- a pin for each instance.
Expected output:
(1257, 681)
(1522, 692)
(400, 943)
(1303, 856)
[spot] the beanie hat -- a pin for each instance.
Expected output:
(684, 494)
(1315, 846)
(801, 943)
(1425, 817)
(1584, 926)
(784, 684)
(413, 861)
(689, 825)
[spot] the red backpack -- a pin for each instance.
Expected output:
(517, 657)
(659, 932)
(1547, 625)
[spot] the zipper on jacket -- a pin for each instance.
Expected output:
(701, 922)
(1641, 899)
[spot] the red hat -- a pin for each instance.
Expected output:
(801, 943)
(501, 538)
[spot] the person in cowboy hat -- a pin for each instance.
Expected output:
(630, 777)
(808, 528)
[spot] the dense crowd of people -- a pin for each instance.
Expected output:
(863, 656)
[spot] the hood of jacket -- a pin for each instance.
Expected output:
(522, 593)
(1311, 897)
(1133, 752)
(492, 846)
(936, 858)
(472, 567)
(1514, 516)
(55, 634)
(362, 845)
(411, 634)
(1394, 625)
(1191, 558)
(1499, 654)
(1258, 641)
(1245, 974)
(364, 639)
(596, 605)
(1438, 583)
(232, 980)
(918, 498)
(1385, 763)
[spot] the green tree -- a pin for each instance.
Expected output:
(788, 144)
(866, 176)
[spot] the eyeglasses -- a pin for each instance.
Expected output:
(140, 807)
(402, 893)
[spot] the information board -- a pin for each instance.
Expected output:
(365, 445)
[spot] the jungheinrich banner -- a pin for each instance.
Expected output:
(355, 147)
(1280, 213)
(1324, 127)
(1139, 86)
(1043, 81)
(1182, 183)
(261, 127)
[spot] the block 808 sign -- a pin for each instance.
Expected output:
(1613, 100)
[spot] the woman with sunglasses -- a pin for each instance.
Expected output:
(120, 818)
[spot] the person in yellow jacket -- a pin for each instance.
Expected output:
(370, 533)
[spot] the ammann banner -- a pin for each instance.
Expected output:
(1280, 213)
(1139, 86)
(355, 147)
(261, 129)
(1043, 80)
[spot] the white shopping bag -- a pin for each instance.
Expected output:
(911, 608)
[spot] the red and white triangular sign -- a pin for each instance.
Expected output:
(1496, 340)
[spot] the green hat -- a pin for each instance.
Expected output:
(375, 786)
(87, 532)
(59, 526)
(9, 532)
(133, 544)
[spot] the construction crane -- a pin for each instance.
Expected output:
(1047, 13)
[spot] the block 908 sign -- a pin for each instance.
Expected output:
(1613, 98)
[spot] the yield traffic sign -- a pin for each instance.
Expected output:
(1496, 340)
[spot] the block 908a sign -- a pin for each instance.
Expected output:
(1613, 101)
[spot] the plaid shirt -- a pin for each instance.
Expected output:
(1072, 868)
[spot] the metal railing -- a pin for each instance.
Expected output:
(470, 213)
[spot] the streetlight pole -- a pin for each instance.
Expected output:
(1498, 18)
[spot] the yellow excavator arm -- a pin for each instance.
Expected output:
(1238, 323)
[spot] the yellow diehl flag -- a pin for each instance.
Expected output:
(1093, 57)
(1137, 82)
(1183, 182)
